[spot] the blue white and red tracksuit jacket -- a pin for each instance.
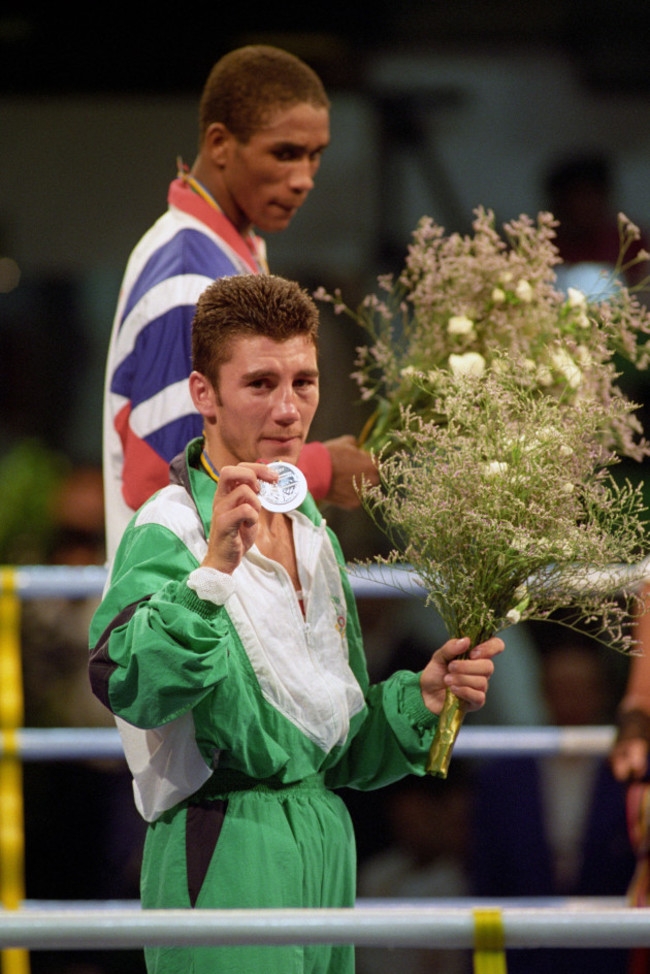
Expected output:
(148, 413)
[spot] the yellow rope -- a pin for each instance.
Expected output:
(489, 940)
(12, 838)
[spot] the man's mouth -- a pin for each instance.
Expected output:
(289, 209)
(284, 440)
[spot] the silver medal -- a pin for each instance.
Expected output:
(288, 493)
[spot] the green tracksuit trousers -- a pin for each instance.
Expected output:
(238, 844)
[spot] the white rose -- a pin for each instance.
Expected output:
(576, 298)
(460, 325)
(513, 616)
(496, 468)
(524, 291)
(565, 364)
(469, 363)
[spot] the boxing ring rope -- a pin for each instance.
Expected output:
(85, 743)
(485, 927)
(435, 925)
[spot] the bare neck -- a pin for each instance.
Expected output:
(210, 178)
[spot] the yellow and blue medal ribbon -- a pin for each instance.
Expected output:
(209, 467)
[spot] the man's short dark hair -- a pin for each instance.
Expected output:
(247, 84)
(248, 305)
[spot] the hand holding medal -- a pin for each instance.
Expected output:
(288, 492)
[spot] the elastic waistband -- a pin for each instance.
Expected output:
(224, 782)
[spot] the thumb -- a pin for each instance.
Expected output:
(454, 647)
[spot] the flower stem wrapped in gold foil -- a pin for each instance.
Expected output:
(451, 718)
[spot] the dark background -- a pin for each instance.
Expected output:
(122, 48)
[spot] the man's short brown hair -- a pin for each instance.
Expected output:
(247, 84)
(248, 305)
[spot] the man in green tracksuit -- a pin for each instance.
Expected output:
(228, 647)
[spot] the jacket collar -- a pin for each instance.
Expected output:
(185, 469)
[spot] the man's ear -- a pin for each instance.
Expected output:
(203, 395)
(216, 143)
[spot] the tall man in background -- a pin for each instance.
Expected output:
(263, 126)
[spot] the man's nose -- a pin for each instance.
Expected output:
(302, 176)
(286, 409)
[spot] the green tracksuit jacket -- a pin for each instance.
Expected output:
(266, 711)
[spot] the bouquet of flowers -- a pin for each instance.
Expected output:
(461, 300)
(497, 420)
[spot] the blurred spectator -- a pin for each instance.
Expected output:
(555, 826)
(425, 857)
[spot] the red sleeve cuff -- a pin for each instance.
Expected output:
(316, 464)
